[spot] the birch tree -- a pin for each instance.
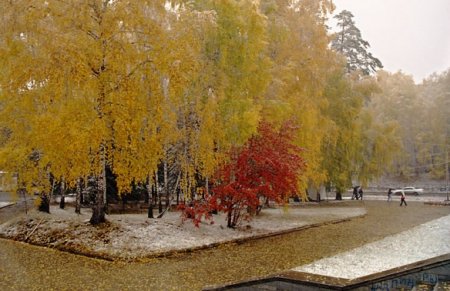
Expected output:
(302, 62)
(233, 80)
(90, 86)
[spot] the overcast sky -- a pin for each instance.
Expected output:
(408, 35)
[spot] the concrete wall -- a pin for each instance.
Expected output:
(424, 275)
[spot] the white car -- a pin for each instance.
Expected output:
(408, 190)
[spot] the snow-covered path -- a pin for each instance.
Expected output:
(4, 204)
(425, 241)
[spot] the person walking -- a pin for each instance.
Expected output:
(355, 193)
(403, 199)
(389, 195)
(360, 192)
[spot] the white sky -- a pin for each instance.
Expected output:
(408, 35)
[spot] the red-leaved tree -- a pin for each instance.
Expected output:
(266, 168)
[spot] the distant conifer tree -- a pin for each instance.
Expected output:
(349, 42)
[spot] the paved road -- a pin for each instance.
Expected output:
(11, 205)
(376, 196)
(425, 194)
(7, 197)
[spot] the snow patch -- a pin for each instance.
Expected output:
(422, 242)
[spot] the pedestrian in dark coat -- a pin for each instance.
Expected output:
(355, 193)
(403, 199)
(389, 195)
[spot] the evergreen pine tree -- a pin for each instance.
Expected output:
(349, 42)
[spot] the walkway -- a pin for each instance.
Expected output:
(422, 242)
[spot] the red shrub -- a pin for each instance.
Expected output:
(267, 167)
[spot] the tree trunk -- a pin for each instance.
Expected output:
(98, 211)
(52, 191)
(158, 194)
(23, 192)
(164, 211)
(146, 197)
(150, 198)
(175, 189)
(105, 188)
(160, 208)
(229, 224)
(166, 190)
(62, 202)
(78, 197)
(165, 82)
(44, 205)
(166, 184)
(338, 195)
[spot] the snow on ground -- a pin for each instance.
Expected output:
(4, 204)
(422, 242)
(133, 236)
(170, 234)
